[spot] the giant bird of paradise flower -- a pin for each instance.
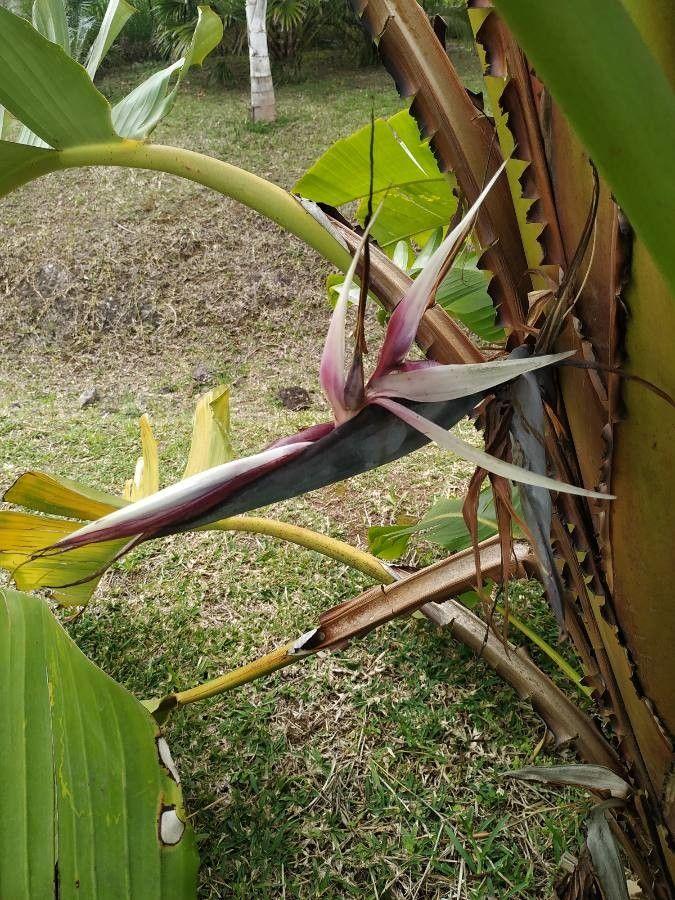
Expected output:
(401, 406)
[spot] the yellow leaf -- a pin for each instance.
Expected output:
(61, 497)
(146, 476)
(22, 535)
(210, 432)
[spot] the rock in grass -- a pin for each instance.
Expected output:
(89, 396)
(202, 375)
(294, 398)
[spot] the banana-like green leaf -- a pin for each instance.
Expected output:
(55, 98)
(116, 16)
(210, 432)
(443, 524)
(20, 163)
(417, 196)
(50, 19)
(22, 535)
(463, 294)
(90, 796)
(146, 475)
(141, 111)
(597, 66)
(207, 35)
(48, 91)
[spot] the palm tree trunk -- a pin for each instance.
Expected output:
(263, 103)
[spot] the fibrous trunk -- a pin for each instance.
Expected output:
(616, 559)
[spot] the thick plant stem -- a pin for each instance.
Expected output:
(271, 662)
(376, 606)
(265, 197)
(370, 565)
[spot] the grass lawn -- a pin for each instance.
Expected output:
(374, 772)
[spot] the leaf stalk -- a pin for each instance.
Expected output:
(292, 652)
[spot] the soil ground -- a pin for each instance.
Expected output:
(375, 772)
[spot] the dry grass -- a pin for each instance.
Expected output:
(370, 773)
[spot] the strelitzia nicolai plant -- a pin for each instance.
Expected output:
(603, 75)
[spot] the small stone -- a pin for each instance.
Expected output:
(294, 398)
(88, 397)
(51, 279)
(202, 375)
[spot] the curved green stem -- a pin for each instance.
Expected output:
(545, 647)
(265, 197)
(265, 665)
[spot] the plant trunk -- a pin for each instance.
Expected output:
(263, 103)
(617, 561)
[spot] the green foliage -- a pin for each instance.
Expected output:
(175, 21)
(293, 28)
(418, 202)
(48, 91)
(135, 117)
(416, 197)
(143, 109)
(443, 525)
(91, 801)
(54, 97)
(463, 294)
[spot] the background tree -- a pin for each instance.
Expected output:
(263, 103)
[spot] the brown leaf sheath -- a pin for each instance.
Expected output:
(618, 564)
(506, 60)
(589, 408)
(434, 584)
(630, 448)
(462, 137)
